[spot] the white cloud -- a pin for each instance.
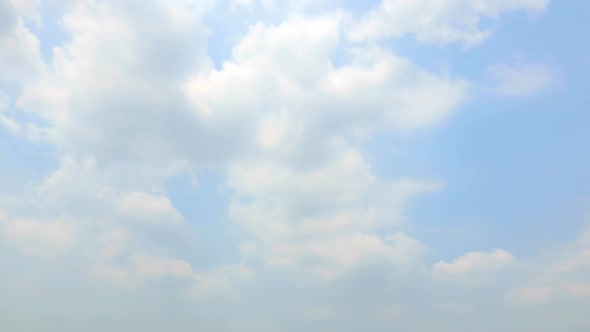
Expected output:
(328, 258)
(530, 295)
(475, 265)
(20, 57)
(303, 187)
(224, 280)
(292, 79)
(521, 80)
(561, 273)
(142, 268)
(27, 8)
(326, 215)
(86, 189)
(438, 22)
(114, 242)
(96, 224)
(117, 80)
(284, 6)
(39, 237)
(145, 207)
(547, 293)
(132, 99)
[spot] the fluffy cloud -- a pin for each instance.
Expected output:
(113, 236)
(286, 140)
(304, 192)
(328, 214)
(291, 78)
(116, 80)
(322, 240)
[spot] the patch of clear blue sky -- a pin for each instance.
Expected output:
(22, 162)
(205, 205)
(49, 32)
(516, 169)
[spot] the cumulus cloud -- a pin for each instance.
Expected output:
(302, 178)
(116, 71)
(117, 80)
(291, 77)
(329, 214)
(320, 240)
(286, 140)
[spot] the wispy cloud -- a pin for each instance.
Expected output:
(522, 80)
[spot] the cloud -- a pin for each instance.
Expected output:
(323, 221)
(531, 295)
(116, 71)
(561, 273)
(522, 80)
(72, 214)
(223, 281)
(27, 8)
(437, 22)
(145, 207)
(179, 91)
(475, 265)
(300, 190)
(143, 267)
(303, 191)
(329, 258)
(314, 236)
(287, 140)
(292, 79)
(39, 237)
(20, 57)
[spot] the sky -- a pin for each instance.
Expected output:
(296, 165)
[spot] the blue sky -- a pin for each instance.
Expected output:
(320, 165)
